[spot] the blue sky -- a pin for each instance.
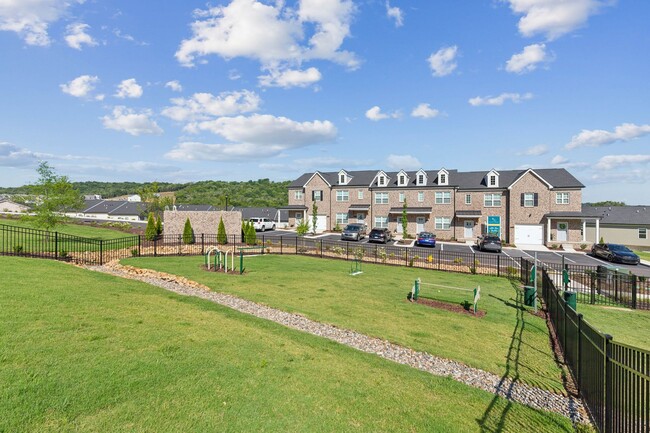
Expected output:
(243, 89)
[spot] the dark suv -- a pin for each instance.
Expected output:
(615, 253)
(489, 243)
(382, 235)
(354, 232)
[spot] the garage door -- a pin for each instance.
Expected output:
(529, 234)
(321, 223)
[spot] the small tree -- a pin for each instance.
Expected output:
(314, 216)
(405, 221)
(54, 195)
(251, 235)
(302, 228)
(150, 232)
(159, 226)
(222, 238)
(188, 233)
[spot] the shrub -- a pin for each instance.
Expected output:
(458, 260)
(159, 226)
(583, 246)
(381, 254)
(337, 228)
(188, 233)
(601, 241)
(150, 232)
(359, 252)
(222, 239)
(511, 272)
(251, 235)
(134, 252)
(302, 228)
(18, 249)
(63, 254)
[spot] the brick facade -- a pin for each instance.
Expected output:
(202, 222)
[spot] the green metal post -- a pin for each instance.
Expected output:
(241, 262)
(416, 294)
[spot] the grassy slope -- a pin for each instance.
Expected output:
(71, 229)
(625, 325)
(507, 341)
(106, 354)
(645, 255)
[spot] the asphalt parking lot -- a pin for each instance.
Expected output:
(513, 254)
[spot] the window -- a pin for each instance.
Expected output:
(381, 222)
(317, 195)
(381, 181)
(420, 196)
(468, 198)
(443, 197)
(420, 179)
(492, 200)
(342, 178)
(493, 180)
(643, 233)
(381, 198)
(341, 218)
(402, 197)
(360, 194)
(442, 223)
(361, 217)
(529, 199)
(561, 198)
(342, 195)
(443, 179)
(297, 195)
(402, 179)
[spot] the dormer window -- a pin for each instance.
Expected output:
(402, 180)
(443, 177)
(421, 178)
(381, 181)
(344, 178)
(492, 180)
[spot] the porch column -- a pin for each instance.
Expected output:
(584, 231)
(597, 231)
(548, 232)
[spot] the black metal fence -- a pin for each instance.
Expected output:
(598, 285)
(613, 378)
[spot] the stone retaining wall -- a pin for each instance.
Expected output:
(202, 222)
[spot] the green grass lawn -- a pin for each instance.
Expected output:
(625, 325)
(85, 231)
(82, 351)
(645, 255)
(508, 340)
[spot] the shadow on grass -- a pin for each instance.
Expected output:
(495, 417)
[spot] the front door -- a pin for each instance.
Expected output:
(361, 217)
(562, 229)
(469, 229)
(420, 223)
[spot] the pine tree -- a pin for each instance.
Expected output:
(159, 226)
(251, 236)
(222, 238)
(188, 233)
(150, 232)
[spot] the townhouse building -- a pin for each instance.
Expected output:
(531, 206)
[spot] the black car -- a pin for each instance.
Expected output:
(489, 243)
(380, 235)
(615, 253)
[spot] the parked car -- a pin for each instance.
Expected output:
(354, 232)
(382, 235)
(262, 224)
(425, 239)
(489, 243)
(615, 253)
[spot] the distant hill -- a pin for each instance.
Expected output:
(252, 193)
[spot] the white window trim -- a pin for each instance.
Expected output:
(420, 196)
(442, 197)
(468, 196)
(342, 218)
(442, 223)
(532, 199)
(645, 233)
(383, 223)
(360, 194)
(340, 197)
(402, 197)
(298, 195)
(492, 196)
(381, 194)
(560, 198)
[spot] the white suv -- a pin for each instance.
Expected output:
(262, 224)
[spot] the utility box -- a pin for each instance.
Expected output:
(529, 296)
(571, 299)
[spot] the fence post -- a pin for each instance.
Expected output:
(155, 243)
(180, 244)
(321, 249)
(101, 252)
(592, 284)
(296, 244)
(609, 407)
(499, 265)
(202, 243)
(347, 251)
(439, 253)
(406, 256)
(56, 245)
(139, 245)
(634, 287)
(376, 252)
(281, 238)
(579, 360)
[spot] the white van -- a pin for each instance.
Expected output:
(262, 224)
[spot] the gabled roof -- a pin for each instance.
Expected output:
(630, 215)
(531, 171)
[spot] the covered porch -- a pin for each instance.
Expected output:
(570, 227)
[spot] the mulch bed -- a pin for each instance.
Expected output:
(454, 308)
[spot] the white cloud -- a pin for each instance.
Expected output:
(290, 78)
(128, 89)
(82, 87)
(31, 18)
(203, 106)
(395, 13)
(127, 120)
(599, 137)
(253, 137)
(174, 85)
(424, 111)
(442, 62)
(271, 33)
(528, 59)
(499, 100)
(14, 156)
(76, 36)
(613, 161)
(403, 162)
(538, 150)
(553, 18)
(375, 114)
(559, 159)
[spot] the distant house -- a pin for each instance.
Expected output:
(92, 197)
(135, 198)
(8, 206)
(627, 225)
(109, 210)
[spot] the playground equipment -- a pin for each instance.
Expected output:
(355, 267)
(415, 291)
(220, 259)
